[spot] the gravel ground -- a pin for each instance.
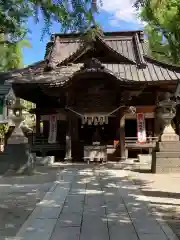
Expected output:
(19, 196)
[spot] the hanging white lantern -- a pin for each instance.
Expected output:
(106, 119)
(41, 127)
(101, 120)
(83, 120)
(89, 120)
(95, 121)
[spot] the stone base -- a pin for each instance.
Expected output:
(165, 162)
(168, 146)
(18, 158)
(169, 137)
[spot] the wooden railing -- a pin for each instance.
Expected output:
(135, 140)
(132, 142)
(41, 144)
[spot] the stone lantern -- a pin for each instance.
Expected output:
(17, 135)
(166, 111)
(166, 155)
(18, 152)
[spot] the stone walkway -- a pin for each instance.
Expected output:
(163, 193)
(19, 196)
(93, 203)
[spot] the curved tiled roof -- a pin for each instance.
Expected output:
(123, 72)
(67, 48)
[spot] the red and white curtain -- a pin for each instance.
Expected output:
(141, 128)
(52, 129)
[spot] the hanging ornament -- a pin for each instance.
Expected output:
(41, 127)
(106, 119)
(101, 121)
(89, 120)
(95, 121)
(83, 120)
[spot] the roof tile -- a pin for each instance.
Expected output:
(64, 49)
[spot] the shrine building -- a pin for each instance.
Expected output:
(104, 91)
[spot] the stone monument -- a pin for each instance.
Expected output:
(166, 156)
(17, 149)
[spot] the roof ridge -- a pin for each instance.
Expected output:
(139, 51)
(162, 64)
(105, 33)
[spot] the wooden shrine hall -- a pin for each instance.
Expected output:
(100, 94)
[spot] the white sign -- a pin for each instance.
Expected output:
(52, 129)
(141, 128)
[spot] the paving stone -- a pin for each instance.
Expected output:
(70, 233)
(75, 198)
(69, 220)
(94, 211)
(47, 212)
(120, 220)
(74, 205)
(116, 208)
(37, 229)
(147, 226)
(126, 233)
(152, 236)
(94, 228)
(72, 208)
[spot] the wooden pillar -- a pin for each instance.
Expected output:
(157, 125)
(38, 118)
(178, 117)
(68, 141)
(122, 137)
(75, 141)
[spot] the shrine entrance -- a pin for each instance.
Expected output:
(96, 135)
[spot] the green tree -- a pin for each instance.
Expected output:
(73, 16)
(163, 27)
(11, 55)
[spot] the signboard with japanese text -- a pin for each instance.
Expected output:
(141, 128)
(52, 129)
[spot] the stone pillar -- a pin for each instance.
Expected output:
(17, 149)
(122, 137)
(166, 156)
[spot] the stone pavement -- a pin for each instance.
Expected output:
(93, 203)
(163, 193)
(19, 196)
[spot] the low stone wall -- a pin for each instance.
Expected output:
(165, 162)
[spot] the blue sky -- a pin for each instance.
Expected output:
(115, 15)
